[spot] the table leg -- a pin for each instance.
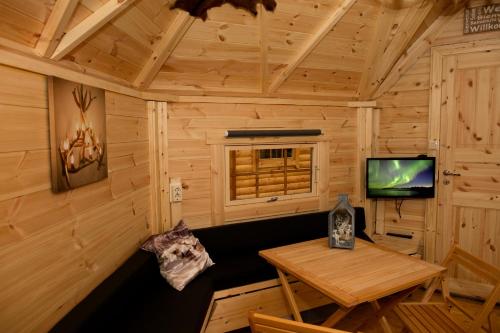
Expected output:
(381, 311)
(382, 320)
(337, 316)
(287, 291)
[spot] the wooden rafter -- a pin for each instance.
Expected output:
(417, 49)
(168, 42)
(325, 28)
(386, 56)
(54, 28)
(89, 26)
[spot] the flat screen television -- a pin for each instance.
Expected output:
(400, 177)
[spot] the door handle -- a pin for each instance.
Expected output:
(450, 173)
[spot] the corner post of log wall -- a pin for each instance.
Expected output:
(324, 173)
(433, 150)
(158, 152)
(366, 127)
(378, 207)
(217, 183)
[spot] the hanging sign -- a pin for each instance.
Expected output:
(482, 19)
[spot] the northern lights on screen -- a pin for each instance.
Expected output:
(400, 177)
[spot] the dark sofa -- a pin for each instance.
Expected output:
(135, 298)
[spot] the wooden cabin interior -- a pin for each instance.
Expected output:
(371, 78)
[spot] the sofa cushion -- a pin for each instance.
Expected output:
(236, 271)
(136, 268)
(250, 237)
(157, 308)
(137, 299)
(180, 255)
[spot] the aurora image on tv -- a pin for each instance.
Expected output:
(400, 178)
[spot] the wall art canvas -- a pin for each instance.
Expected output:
(77, 134)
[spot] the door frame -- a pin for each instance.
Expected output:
(438, 54)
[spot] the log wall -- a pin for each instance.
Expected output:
(403, 126)
(196, 140)
(55, 248)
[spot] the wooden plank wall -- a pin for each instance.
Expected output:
(195, 134)
(403, 126)
(402, 131)
(54, 249)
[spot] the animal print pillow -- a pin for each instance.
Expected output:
(180, 255)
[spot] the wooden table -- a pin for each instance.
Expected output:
(350, 277)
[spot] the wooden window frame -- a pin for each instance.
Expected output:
(314, 170)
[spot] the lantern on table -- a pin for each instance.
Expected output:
(341, 224)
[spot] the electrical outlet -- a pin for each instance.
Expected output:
(433, 144)
(175, 192)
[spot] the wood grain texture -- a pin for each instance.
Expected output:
(231, 306)
(89, 25)
(365, 274)
(76, 238)
(54, 27)
(163, 49)
(403, 131)
(225, 55)
(261, 323)
(311, 44)
(22, 22)
(469, 135)
(195, 128)
(405, 119)
(422, 316)
(401, 34)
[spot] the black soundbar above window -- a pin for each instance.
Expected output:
(256, 133)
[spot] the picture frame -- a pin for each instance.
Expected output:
(77, 119)
(341, 224)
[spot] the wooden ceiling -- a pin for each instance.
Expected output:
(324, 49)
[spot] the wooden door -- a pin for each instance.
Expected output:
(468, 211)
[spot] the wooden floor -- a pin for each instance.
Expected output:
(316, 316)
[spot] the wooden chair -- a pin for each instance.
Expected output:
(261, 323)
(435, 317)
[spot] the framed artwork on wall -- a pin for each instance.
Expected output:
(77, 134)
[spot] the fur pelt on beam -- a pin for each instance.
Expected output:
(199, 8)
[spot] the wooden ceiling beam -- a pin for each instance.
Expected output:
(65, 70)
(54, 28)
(419, 47)
(89, 26)
(311, 44)
(167, 44)
(273, 101)
(382, 63)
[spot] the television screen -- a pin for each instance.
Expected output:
(400, 177)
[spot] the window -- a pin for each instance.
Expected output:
(270, 172)
(275, 153)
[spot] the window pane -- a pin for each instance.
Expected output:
(276, 153)
(299, 171)
(265, 153)
(263, 173)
